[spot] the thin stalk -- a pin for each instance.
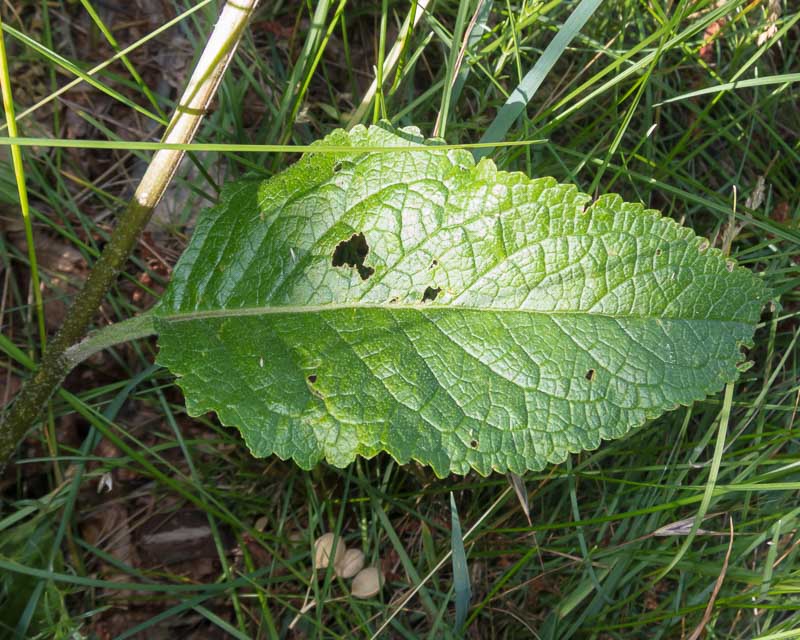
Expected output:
(379, 108)
(190, 111)
(19, 172)
(338, 14)
(454, 58)
(392, 58)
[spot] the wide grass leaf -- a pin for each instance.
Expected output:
(369, 299)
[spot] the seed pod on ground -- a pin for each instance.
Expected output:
(351, 563)
(367, 583)
(323, 551)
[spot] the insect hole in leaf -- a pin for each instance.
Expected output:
(352, 253)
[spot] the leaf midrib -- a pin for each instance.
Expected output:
(207, 314)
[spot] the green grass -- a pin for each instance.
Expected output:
(625, 103)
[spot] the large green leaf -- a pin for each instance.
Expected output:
(416, 303)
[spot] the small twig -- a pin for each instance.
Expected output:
(717, 586)
(187, 117)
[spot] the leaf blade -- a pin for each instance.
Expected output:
(444, 312)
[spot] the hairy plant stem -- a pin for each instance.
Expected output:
(56, 361)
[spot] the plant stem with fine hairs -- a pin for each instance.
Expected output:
(187, 117)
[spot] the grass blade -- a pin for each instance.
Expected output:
(523, 93)
(460, 569)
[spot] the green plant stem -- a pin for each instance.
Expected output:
(19, 172)
(192, 107)
(392, 58)
(454, 58)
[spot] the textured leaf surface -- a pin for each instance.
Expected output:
(443, 311)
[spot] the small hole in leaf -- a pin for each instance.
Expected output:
(337, 167)
(474, 444)
(590, 375)
(704, 244)
(312, 378)
(729, 265)
(658, 252)
(430, 294)
(434, 264)
(352, 253)
(393, 301)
